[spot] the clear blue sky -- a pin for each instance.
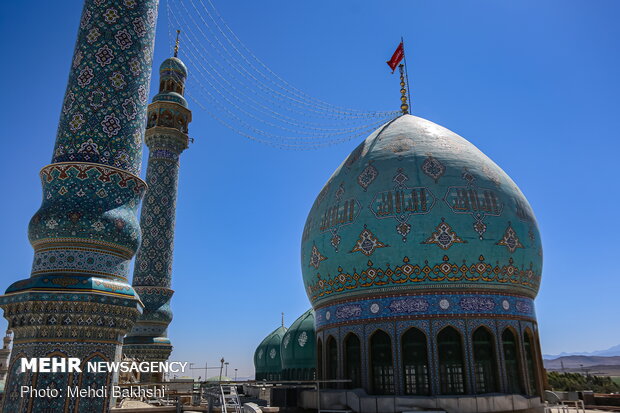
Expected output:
(533, 84)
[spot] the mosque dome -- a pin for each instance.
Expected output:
(267, 357)
(417, 209)
(298, 349)
(173, 65)
(217, 379)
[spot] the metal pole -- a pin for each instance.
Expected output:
(221, 367)
(406, 74)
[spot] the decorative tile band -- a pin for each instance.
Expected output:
(48, 286)
(148, 329)
(83, 170)
(410, 275)
(81, 262)
(424, 306)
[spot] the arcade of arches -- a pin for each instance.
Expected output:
(448, 362)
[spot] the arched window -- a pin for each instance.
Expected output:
(319, 359)
(331, 365)
(512, 362)
(485, 367)
(382, 367)
(415, 362)
(353, 360)
(451, 366)
(532, 371)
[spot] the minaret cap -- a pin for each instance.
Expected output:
(404, 107)
(176, 44)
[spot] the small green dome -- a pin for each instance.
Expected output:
(217, 379)
(298, 347)
(267, 357)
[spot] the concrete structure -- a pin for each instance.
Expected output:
(421, 259)
(77, 302)
(166, 137)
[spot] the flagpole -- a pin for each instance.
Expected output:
(402, 40)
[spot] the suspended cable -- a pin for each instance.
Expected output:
(242, 93)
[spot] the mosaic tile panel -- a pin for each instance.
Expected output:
(104, 109)
(422, 305)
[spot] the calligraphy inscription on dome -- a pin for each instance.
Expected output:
(468, 200)
(340, 214)
(402, 202)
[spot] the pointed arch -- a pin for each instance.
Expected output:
(415, 362)
(451, 361)
(512, 361)
(530, 362)
(485, 365)
(319, 358)
(94, 380)
(353, 360)
(381, 363)
(331, 358)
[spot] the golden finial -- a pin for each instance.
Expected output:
(404, 107)
(176, 45)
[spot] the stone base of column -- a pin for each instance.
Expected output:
(87, 321)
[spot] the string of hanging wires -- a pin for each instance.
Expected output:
(237, 89)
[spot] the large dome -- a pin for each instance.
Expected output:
(417, 209)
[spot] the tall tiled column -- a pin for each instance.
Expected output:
(77, 302)
(166, 137)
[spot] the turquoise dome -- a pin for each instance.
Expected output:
(173, 65)
(416, 208)
(298, 347)
(267, 357)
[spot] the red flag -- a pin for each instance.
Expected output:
(396, 57)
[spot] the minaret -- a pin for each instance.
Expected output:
(77, 302)
(166, 138)
(5, 353)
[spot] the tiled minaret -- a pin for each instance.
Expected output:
(77, 302)
(166, 137)
(5, 354)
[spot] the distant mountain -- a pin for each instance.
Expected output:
(610, 352)
(578, 362)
